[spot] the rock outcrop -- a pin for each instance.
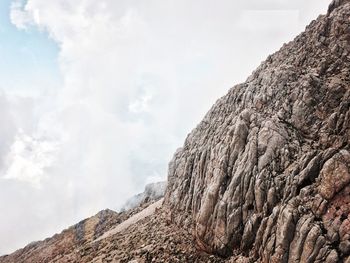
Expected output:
(266, 175)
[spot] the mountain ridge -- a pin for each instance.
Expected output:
(264, 177)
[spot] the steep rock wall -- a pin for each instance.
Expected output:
(266, 174)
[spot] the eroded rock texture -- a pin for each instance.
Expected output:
(266, 174)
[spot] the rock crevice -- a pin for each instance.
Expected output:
(265, 175)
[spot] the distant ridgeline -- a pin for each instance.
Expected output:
(153, 192)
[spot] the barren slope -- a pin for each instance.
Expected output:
(266, 174)
(265, 177)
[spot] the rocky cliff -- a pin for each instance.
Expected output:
(265, 177)
(266, 174)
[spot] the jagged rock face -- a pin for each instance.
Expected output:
(266, 174)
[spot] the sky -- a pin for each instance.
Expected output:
(96, 96)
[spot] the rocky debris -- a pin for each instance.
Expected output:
(153, 192)
(266, 175)
(151, 239)
(132, 220)
(63, 247)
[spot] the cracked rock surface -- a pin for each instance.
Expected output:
(265, 177)
(266, 174)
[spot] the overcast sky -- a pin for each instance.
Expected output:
(96, 96)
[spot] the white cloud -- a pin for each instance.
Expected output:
(28, 158)
(265, 20)
(140, 104)
(137, 76)
(19, 16)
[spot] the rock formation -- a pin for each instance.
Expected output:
(266, 174)
(265, 177)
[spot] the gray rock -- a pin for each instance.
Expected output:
(266, 174)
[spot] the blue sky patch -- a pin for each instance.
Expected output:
(28, 58)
